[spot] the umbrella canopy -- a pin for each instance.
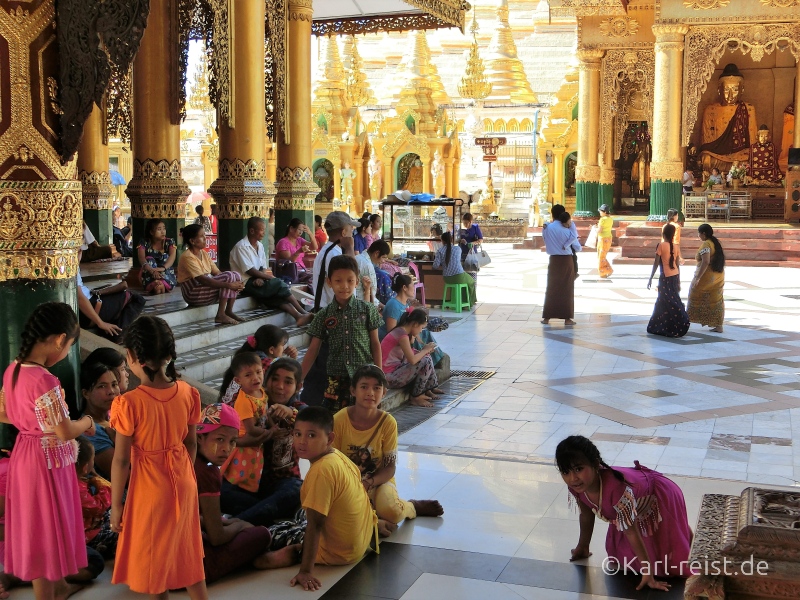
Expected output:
(197, 197)
(117, 178)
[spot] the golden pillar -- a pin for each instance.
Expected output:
(587, 172)
(358, 185)
(296, 189)
(157, 189)
(98, 192)
(796, 132)
(666, 170)
(241, 190)
(450, 185)
(40, 198)
(558, 175)
(605, 193)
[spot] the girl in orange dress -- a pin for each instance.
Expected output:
(160, 544)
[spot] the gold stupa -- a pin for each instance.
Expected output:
(330, 93)
(505, 70)
(422, 87)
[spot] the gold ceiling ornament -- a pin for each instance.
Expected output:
(586, 8)
(625, 74)
(780, 3)
(705, 46)
(356, 84)
(706, 4)
(450, 11)
(473, 84)
(619, 27)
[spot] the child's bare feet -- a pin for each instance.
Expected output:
(6, 583)
(421, 401)
(226, 320)
(437, 391)
(285, 557)
(304, 319)
(234, 316)
(428, 508)
(385, 528)
(431, 395)
(64, 590)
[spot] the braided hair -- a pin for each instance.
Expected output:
(447, 240)
(577, 450)
(150, 340)
(717, 263)
(50, 318)
(668, 234)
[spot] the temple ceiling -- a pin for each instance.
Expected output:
(371, 16)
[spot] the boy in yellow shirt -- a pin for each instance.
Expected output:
(341, 521)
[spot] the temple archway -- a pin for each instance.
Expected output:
(409, 173)
(323, 177)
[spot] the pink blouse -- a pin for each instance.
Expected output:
(286, 244)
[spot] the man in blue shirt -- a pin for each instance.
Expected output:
(560, 239)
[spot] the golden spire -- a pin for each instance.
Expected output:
(474, 85)
(198, 90)
(357, 87)
(329, 95)
(506, 73)
(423, 88)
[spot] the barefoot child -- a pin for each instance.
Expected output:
(44, 526)
(160, 546)
(646, 512)
(269, 342)
(228, 544)
(341, 521)
(368, 436)
(350, 327)
(95, 503)
(404, 365)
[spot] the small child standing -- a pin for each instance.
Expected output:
(95, 503)
(341, 522)
(160, 544)
(646, 512)
(350, 326)
(44, 527)
(368, 436)
(269, 342)
(228, 544)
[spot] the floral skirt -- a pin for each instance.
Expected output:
(669, 316)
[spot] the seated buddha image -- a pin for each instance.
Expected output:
(729, 126)
(763, 162)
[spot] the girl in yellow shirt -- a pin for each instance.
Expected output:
(604, 234)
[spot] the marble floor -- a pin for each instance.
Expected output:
(717, 412)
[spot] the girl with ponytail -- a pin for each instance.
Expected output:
(648, 528)
(706, 304)
(44, 524)
(404, 365)
(160, 546)
(669, 315)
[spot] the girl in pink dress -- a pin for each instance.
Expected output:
(648, 529)
(44, 523)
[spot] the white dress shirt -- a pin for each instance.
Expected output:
(244, 257)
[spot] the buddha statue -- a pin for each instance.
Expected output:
(729, 126)
(763, 167)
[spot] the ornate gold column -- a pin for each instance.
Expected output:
(241, 190)
(587, 172)
(558, 175)
(666, 170)
(95, 179)
(605, 194)
(796, 133)
(40, 199)
(450, 186)
(157, 189)
(296, 189)
(358, 185)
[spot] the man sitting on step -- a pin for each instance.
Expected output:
(250, 260)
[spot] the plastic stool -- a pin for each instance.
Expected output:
(456, 302)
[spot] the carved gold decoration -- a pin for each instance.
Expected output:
(585, 8)
(626, 73)
(781, 3)
(52, 92)
(97, 190)
(330, 142)
(119, 110)
(562, 140)
(40, 229)
(377, 24)
(449, 11)
(356, 84)
(705, 46)
(301, 10)
(619, 27)
(296, 189)
(607, 176)
(223, 59)
(706, 4)
(157, 189)
(241, 191)
(275, 69)
(28, 35)
(588, 173)
(666, 171)
(473, 84)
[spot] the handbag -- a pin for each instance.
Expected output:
(287, 269)
(471, 262)
(483, 256)
(591, 239)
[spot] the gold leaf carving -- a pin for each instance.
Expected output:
(619, 27)
(705, 4)
(780, 3)
(626, 74)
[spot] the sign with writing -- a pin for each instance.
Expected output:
(490, 141)
(490, 158)
(211, 246)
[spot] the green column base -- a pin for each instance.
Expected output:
(99, 222)
(586, 199)
(173, 231)
(18, 299)
(663, 196)
(605, 195)
(230, 232)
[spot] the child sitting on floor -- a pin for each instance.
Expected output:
(269, 342)
(228, 544)
(341, 521)
(95, 502)
(646, 512)
(368, 436)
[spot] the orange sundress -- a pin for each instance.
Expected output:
(161, 546)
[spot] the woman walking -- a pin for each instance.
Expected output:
(706, 305)
(605, 228)
(561, 241)
(669, 316)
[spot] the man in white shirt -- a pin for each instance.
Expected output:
(339, 227)
(91, 249)
(250, 260)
